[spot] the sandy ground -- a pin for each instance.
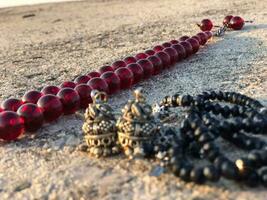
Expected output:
(68, 39)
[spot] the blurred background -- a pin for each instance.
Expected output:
(9, 3)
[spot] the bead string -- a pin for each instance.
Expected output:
(205, 122)
(35, 108)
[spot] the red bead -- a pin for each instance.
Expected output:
(1, 110)
(174, 41)
(104, 69)
(150, 52)
(130, 59)
(51, 106)
(237, 23)
(203, 38)
(70, 100)
(157, 64)
(93, 74)
(183, 38)
(166, 44)
(141, 56)
(51, 89)
(172, 53)
(209, 34)
(118, 64)
(188, 48)
(84, 92)
(158, 48)
(68, 84)
(197, 38)
(180, 50)
(31, 97)
(11, 104)
(11, 125)
(227, 20)
(126, 77)
(32, 115)
(147, 66)
(137, 71)
(206, 25)
(99, 84)
(165, 59)
(195, 44)
(112, 80)
(81, 79)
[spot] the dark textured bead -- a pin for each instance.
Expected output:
(218, 162)
(211, 173)
(255, 158)
(197, 175)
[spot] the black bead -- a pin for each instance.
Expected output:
(263, 156)
(197, 175)
(211, 173)
(255, 158)
(229, 170)
(219, 95)
(186, 100)
(185, 172)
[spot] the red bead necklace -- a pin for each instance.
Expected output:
(35, 108)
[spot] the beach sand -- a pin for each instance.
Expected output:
(50, 43)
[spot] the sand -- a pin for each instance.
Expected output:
(47, 44)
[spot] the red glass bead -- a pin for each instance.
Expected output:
(174, 41)
(99, 84)
(183, 38)
(118, 64)
(227, 20)
(237, 23)
(172, 53)
(31, 97)
(126, 77)
(11, 125)
(195, 44)
(150, 52)
(209, 34)
(112, 80)
(51, 89)
(165, 59)
(93, 74)
(158, 48)
(105, 68)
(51, 107)
(70, 100)
(203, 38)
(137, 71)
(188, 48)
(81, 79)
(1, 110)
(166, 44)
(84, 92)
(11, 104)
(197, 38)
(130, 59)
(141, 56)
(157, 64)
(32, 115)
(206, 25)
(68, 84)
(180, 50)
(147, 67)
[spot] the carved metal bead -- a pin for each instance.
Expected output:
(100, 127)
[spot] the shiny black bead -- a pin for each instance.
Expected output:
(235, 110)
(219, 95)
(213, 95)
(216, 109)
(197, 175)
(185, 172)
(211, 173)
(255, 158)
(205, 138)
(174, 100)
(229, 170)
(186, 100)
(225, 111)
